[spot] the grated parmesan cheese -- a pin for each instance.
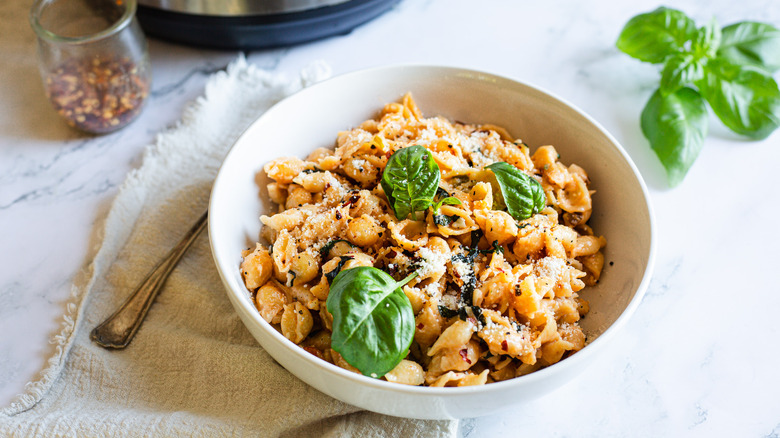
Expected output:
(359, 163)
(551, 267)
(469, 144)
(449, 301)
(480, 160)
(431, 262)
(462, 269)
(431, 289)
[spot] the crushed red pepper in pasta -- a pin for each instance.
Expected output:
(494, 297)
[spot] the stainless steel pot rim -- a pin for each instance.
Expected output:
(237, 8)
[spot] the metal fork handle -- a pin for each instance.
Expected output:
(118, 330)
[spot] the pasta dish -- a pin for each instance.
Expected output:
(489, 257)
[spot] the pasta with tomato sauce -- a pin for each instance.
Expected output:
(494, 297)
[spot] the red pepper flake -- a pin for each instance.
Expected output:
(504, 345)
(351, 200)
(98, 95)
(420, 326)
(392, 254)
(464, 353)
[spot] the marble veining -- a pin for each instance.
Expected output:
(204, 70)
(698, 358)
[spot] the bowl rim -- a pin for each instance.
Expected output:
(577, 360)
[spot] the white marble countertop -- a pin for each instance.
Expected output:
(700, 356)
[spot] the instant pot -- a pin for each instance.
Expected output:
(253, 24)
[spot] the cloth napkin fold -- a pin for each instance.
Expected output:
(193, 369)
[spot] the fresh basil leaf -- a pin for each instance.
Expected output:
(449, 200)
(751, 43)
(522, 195)
(373, 321)
(676, 125)
(680, 70)
(410, 180)
(745, 99)
(653, 36)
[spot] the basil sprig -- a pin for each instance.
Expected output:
(729, 68)
(410, 180)
(445, 198)
(522, 195)
(373, 321)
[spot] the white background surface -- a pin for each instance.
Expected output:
(700, 356)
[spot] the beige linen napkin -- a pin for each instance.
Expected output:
(193, 369)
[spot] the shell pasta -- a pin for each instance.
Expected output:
(494, 297)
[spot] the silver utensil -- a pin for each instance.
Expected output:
(118, 330)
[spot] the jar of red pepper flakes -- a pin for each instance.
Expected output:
(94, 61)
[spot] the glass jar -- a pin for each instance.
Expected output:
(94, 61)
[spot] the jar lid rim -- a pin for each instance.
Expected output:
(119, 24)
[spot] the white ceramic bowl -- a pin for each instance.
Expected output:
(313, 117)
